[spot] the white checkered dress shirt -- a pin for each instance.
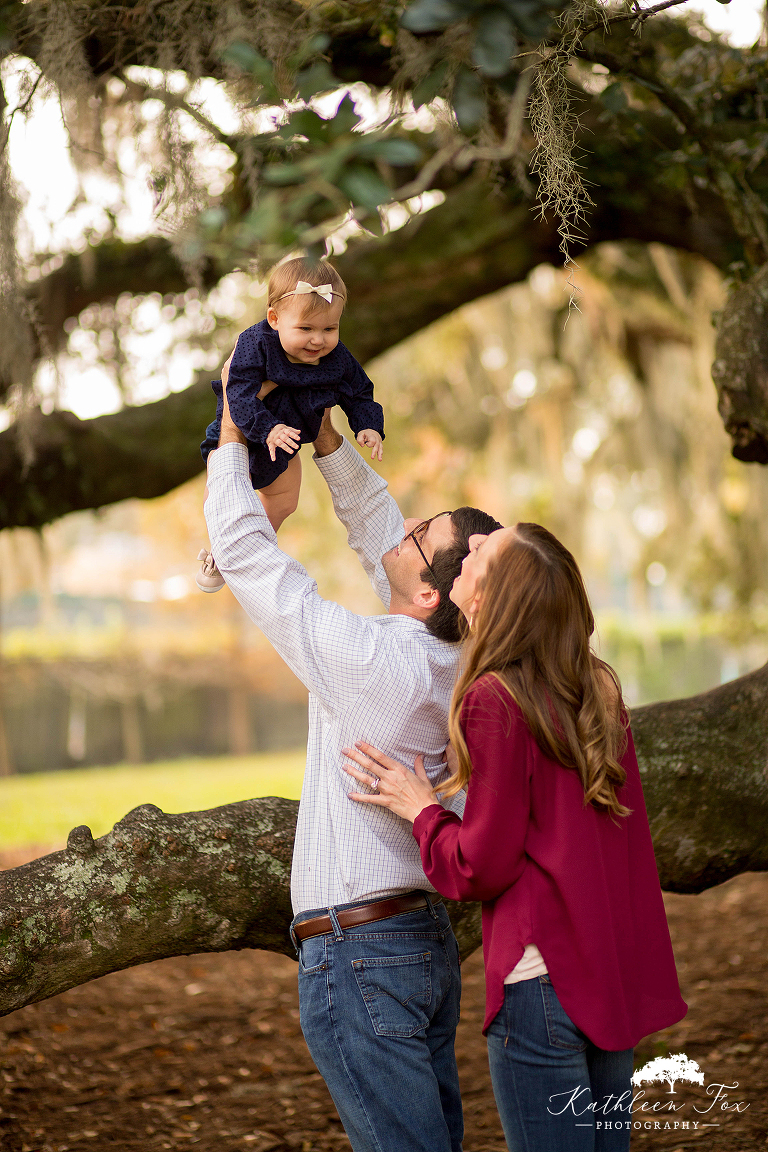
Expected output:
(379, 678)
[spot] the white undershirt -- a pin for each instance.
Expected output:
(530, 964)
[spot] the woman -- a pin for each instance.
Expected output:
(554, 841)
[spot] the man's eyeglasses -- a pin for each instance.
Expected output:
(417, 535)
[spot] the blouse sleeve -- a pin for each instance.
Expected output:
(479, 857)
(360, 408)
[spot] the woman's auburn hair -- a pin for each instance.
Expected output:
(532, 635)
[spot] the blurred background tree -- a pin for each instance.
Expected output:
(451, 156)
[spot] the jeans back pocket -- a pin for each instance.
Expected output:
(397, 991)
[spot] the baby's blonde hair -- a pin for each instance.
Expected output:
(286, 276)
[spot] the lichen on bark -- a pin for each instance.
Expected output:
(156, 885)
(704, 768)
(740, 370)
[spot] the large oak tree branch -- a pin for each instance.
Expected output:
(100, 274)
(477, 241)
(75, 464)
(704, 767)
(157, 885)
(160, 885)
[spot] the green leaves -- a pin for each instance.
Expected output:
(426, 90)
(533, 17)
(468, 100)
(496, 27)
(344, 120)
(315, 79)
(307, 82)
(247, 59)
(614, 97)
(308, 173)
(433, 15)
(495, 43)
(392, 150)
(363, 186)
(311, 168)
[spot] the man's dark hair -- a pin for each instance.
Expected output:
(446, 563)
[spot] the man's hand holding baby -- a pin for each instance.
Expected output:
(369, 438)
(229, 432)
(281, 436)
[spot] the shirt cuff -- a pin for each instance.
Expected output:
(227, 459)
(426, 818)
(339, 465)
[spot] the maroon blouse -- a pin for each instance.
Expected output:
(579, 884)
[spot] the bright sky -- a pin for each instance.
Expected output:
(64, 209)
(741, 19)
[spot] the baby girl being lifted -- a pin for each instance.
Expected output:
(283, 374)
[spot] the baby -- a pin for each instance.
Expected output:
(283, 374)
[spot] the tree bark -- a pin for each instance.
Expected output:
(52, 465)
(157, 885)
(169, 885)
(704, 767)
(740, 370)
(100, 274)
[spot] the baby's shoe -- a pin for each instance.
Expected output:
(209, 579)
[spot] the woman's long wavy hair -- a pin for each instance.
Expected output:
(532, 632)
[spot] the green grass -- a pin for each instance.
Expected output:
(41, 807)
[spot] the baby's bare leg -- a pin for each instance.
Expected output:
(281, 497)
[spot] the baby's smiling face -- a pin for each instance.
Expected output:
(306, 339)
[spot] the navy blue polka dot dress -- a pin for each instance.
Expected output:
(303, 392)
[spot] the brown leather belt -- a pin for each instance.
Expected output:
(365, 914)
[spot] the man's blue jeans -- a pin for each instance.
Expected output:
(554, 1089)
(379, 1007)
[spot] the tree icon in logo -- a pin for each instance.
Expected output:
(669, 1068)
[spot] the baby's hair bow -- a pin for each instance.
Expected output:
(302, 288)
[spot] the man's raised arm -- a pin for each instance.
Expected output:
(361, 501)
(314, 636)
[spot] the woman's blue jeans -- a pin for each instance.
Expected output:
(555, 1090)
(379, 1007)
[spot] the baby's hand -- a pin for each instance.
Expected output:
(370, 439)
(283, 437)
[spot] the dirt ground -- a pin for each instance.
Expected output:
(207, 1051)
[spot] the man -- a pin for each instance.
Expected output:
(378, 963)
